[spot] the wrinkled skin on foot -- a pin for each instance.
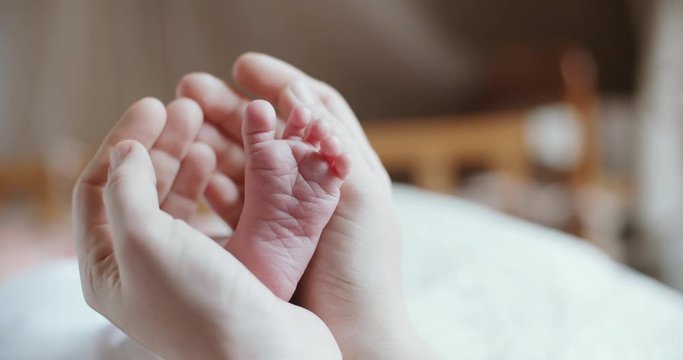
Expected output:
(164, 283)
(291, 191)
(353, 281)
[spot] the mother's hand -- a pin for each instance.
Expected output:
(165, 284)
(353, 281)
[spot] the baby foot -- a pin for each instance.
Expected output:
(292, 187)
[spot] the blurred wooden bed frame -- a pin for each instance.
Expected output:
(28, 178)
(430, 149)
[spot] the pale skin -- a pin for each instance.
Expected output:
(352, 282)
(292, 186)
(165, 284)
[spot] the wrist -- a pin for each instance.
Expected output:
(282, 331)
(383, 334)
(403, 344)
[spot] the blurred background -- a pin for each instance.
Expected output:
(567, 113)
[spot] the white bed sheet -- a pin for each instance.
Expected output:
(479, 285)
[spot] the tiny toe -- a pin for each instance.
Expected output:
(316, 131)
(297, 122)
(259, 123)
(330, 147)
(342, 165)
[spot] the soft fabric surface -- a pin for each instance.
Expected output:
(485, 286)
(479, 285)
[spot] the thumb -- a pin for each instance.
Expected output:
(130, 194)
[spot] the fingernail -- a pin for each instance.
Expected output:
(302, 91)
(118, 154)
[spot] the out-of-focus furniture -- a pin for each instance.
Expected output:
(430, 149)
(27, 179)
(42, 181)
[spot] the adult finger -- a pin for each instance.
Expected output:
(225, 198)
(190, 183)
(184, 119)
(287, 86)
(224, 191)
(223, 110)
(221, 104)
(229, 155)
(268, 77)
(143, 122)
(130, 195)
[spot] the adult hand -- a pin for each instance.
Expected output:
(162, 282)
(353, 281)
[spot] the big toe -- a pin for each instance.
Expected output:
(259, 123)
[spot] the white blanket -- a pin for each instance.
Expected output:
(479, 285)
(485, 286)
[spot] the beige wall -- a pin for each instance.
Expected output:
(70, 67)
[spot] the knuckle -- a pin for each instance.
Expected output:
(116, 181)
